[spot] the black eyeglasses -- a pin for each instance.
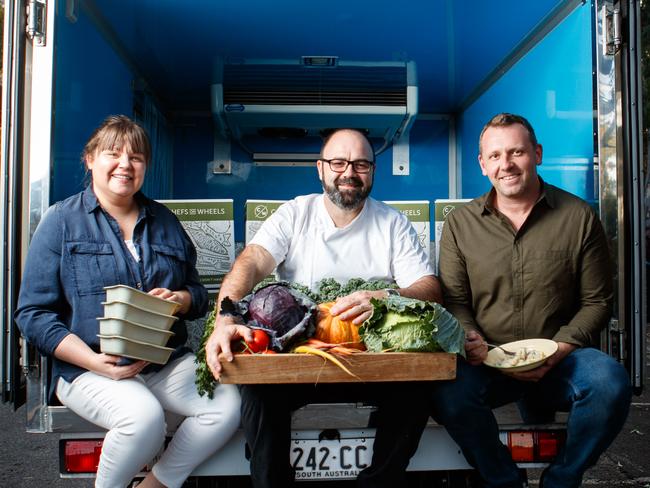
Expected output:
(360, 166)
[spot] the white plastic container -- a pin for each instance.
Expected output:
(123, 293)
(121, 346)
(133, 313)
(138, 332)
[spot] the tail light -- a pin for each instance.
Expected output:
(522, 446)
(549, 444)
(81, 456)
(529, 446)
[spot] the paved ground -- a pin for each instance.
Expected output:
(28, 460)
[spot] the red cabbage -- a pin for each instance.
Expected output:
(276, 308)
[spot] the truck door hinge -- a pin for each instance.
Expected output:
(616, 343)
(612, 30)
(35, 25)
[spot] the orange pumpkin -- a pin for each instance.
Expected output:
(333, 330)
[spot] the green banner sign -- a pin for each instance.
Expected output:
(443, 207)
(414, 211)
(201, 210)
(261, 210)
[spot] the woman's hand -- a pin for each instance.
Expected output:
(180, 296)
(107, 365)
(75, 351)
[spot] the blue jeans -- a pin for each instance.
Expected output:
(588, 384)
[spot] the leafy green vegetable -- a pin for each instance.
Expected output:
(402, 324)
(329, 289)
(205, 382)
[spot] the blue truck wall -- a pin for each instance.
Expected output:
(551, 86)
(91, 82)
(193, 143)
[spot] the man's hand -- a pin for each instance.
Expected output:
(475, 348)
(225, 331)
(356, 306)
(564, 349)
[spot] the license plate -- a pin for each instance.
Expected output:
(330, 459)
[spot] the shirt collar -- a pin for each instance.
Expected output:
(547, 195)
(89, 199)
(91, 203)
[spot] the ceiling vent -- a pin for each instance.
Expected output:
(258, 102)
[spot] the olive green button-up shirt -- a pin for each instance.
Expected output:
(551, 279)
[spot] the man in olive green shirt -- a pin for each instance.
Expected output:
(528, 260)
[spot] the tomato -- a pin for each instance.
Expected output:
(260, 342)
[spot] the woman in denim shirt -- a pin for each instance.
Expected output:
(109, 234)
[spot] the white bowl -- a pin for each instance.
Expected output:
(121, 346)
(496, 356)
(138, 332)
(133, 313)
(123, 293)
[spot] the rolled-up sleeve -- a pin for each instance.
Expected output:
(41, 302)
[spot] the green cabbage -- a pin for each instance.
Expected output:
(402, 324)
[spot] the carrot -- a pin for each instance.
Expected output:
(345, 351)
(325, 355)
(318, 344)
(335, 348)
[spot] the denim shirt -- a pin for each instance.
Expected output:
(77, 250)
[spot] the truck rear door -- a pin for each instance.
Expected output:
(10, 174)
(621, 178)
(25, 174)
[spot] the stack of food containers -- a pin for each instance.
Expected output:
(136, 325)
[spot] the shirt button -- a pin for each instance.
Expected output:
(139, 285)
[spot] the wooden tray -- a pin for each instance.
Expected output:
(367, 366)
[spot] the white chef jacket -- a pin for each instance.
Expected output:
(379, 244)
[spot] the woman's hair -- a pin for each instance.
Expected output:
(118, 131)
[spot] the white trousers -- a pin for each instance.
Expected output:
(132, 410)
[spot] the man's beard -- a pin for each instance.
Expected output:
(347, 199)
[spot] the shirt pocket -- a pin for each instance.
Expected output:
(93, 265)
(552, 272)
(169, 268)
